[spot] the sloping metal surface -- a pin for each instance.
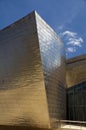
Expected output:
(22, 90)
(53, 63)
(32, 74)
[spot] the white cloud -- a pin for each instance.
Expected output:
(75, 41)
(70, 34)
(71, 49)
(72, 40)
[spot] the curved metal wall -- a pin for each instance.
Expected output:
(53, 63)
(32, 74)
(22, 90)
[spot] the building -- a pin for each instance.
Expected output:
(35, 76)
(76, 91)
(32, 74)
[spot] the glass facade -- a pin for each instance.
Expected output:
(53, 63)
(76, 102)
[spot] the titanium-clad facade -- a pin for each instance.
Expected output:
(22, 90)
(53, 63)
(32, 74)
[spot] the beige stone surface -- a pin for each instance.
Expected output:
(76, 70)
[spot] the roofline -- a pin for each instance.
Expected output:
(18, 20)
(76, 59)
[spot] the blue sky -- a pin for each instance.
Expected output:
(66, 17)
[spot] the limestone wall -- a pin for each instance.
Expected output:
(76, 70)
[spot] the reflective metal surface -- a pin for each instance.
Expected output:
(22, 90)
(53, 64)
(32, 74)
(70, 125)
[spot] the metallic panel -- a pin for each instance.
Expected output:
(53, 64)
(22, 91)
(32, 74)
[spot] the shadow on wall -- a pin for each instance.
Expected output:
(20, 128)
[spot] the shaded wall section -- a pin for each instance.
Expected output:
(22, 128)
(22, 91)
(53, 64)
(76, 91)
(76, 102)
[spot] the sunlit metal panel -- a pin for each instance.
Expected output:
(32, 74)
(22, 90)
(53, 63)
